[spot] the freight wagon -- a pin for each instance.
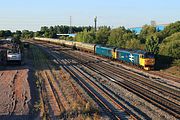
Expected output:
(69, 43)
(85, 47)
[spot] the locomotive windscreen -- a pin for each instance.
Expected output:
(149, 55)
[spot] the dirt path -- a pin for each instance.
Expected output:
(16, 91)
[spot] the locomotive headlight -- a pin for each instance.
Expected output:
(149, 61)
(146, 61)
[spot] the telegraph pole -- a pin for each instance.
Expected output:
(95, 22)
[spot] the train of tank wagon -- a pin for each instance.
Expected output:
(140, 58)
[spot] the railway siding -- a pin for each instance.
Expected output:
(175, 107)
(76, 62)
(61, 98)
(77, 74)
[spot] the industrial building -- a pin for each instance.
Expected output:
(137, 30)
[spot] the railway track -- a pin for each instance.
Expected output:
(52, 105)
(86, 83)
(50, 114)
(157, 74)
(153, 98)
(167, 76)
(164, 89)
(54, 102)
(139, 78)
(172, 93)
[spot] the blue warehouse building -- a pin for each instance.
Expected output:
(137, 30)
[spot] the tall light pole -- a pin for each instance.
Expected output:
(70, 25)
(95, 22)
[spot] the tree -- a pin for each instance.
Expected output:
(46, 34)
(86, 36)
(152, 44)
(119, 36)
(7, 33)
(44, 29)
(90, 37)
(129, 35)
(52, 33)
(2, 33)
(171, 46)
(26, 34)
(133, 44)
(146, 32)
(171, 29)
(102, 35)
(39, 34)
(17, 37)
(17, 34)
(79, 37)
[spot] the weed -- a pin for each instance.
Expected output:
(37, 106)
(96, 117)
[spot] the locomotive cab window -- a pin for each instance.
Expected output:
(141, 56)
(149, 55)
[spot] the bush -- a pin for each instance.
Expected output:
(152, 44)
(176, 62)
(133, 44)
(171, 46)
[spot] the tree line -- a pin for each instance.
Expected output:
(164, 43)
(25, 34)
(49, 32)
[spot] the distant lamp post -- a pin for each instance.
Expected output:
(95, 22)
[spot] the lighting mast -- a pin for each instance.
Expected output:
(95, 22)
(70, 26)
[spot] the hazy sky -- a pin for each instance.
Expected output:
(32, 14)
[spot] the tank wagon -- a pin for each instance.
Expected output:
(66, 43)
(85, 47)
(69, 43)
(140, 58)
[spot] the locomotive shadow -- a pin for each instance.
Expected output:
(163, 62)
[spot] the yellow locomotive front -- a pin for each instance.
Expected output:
(147, 61)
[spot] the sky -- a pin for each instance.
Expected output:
(32, 14)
